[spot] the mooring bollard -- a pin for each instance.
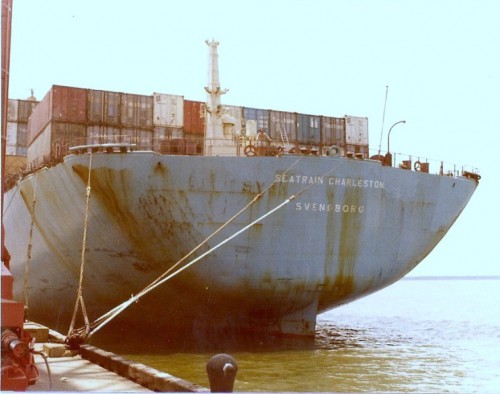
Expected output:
(221, 370)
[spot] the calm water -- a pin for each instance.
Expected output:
(415, 336)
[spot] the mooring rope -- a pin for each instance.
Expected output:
(108, 316)
(224, 225)
(30, 246)
(79, 298)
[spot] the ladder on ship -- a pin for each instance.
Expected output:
(284, 135)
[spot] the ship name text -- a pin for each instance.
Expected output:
(329, 208)
(331, 181)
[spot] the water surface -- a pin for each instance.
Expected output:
(434, 335)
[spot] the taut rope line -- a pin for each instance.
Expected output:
(79, 297)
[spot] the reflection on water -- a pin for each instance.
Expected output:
(414, 337)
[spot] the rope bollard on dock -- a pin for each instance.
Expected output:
(221, 370)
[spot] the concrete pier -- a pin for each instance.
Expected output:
(96, 370)
(77, 374)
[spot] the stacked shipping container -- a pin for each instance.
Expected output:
(58, 119)
(194, 118)
(356, 134)
(16, 142)
(18, 114)
(68, 115)
(282, 126)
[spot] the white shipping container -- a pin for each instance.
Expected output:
(251, 128)
(356, 130)
(237, 114)
(168, 110)
(16, 139)
(11, 142)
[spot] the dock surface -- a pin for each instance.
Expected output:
(92, 369)
(77, 374)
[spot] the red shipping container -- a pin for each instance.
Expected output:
(194, 117)
(69, 104)
(61, 103)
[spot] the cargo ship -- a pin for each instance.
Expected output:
(287, 215)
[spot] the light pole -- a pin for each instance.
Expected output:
(389, 134)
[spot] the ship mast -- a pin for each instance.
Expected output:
(214, 133)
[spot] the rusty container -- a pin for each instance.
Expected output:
(68, 104)
(104, 107)
(136, 110)
(67, 134)
(25, 109)
(332, 131)
(62, 104)
(308, 129)
(194, 117)
(20, 110)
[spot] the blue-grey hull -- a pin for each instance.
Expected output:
(351, 227)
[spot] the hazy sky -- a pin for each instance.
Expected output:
(440, 59)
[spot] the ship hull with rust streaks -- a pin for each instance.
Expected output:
(354, 227)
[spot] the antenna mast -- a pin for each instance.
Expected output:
(383, 120)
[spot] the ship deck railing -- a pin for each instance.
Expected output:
(433, 166)
(197, 145)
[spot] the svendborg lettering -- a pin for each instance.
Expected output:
(329, 208)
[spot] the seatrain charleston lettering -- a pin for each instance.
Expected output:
(330, 181)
